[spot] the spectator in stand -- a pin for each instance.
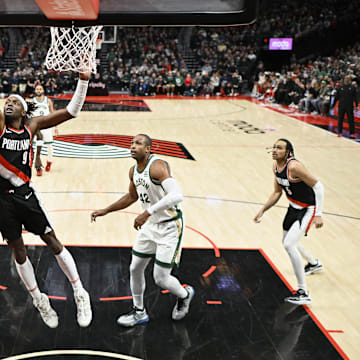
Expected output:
(133, 84)
(198, 83)
(282, 91)
(319, 104)
(191, 90)
(152, 86)
(126, 81)
(5, 82)
(215, 83)
(160, 86)
(236, 81)
(23, 83)
(297, 92)
(306, 96)
(141, 88)
(310, 101)
(170, 86)
(187, 83)
(179, 84)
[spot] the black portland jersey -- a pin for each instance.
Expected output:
(16, 157)
(296, 190)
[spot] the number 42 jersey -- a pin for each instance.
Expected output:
(16, 157)
(150, 192)
(298, 193)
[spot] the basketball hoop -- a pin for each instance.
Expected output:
(73, 49)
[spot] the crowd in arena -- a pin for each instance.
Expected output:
(147, 61)
(310, 87)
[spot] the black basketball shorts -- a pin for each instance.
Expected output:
(21, 207)
(304, 216)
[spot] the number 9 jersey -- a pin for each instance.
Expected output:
(16, 157)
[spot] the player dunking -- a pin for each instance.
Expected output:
(19, 202)
(161, 228)
(305, 194)
(44, 106)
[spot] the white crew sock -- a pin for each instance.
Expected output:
(68, 266)
(27, 275)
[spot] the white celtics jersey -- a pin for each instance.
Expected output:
(150, 192)
(43, 107)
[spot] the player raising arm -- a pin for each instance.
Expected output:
(19, 202)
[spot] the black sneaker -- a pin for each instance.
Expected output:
(182, 305)
(310, 269)
(301, 297)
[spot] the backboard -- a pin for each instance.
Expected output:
(133, 12)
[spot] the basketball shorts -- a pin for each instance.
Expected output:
(304, 216)
(21, 207)
(161, 241)
(47, 135)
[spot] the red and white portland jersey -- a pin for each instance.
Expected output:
(16, 157)
(298, 193)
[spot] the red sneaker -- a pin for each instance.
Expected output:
(39, 172)
(48, 166)
(339, 135)
(352, 136)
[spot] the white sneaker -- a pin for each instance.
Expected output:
(301, 297)
(84, 313)
(134, 317)
(182, 305)
(47, 313)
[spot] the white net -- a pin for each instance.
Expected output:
(73, 49)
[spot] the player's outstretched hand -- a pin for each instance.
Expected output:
(85, 75)
(258, 216)
(97, 213)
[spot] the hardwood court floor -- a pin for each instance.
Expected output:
(224, 187)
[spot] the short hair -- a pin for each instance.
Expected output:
(289, 147)
(148, 140)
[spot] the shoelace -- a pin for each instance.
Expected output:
(81, 304)
(45, 310)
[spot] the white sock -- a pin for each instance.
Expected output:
(290, 241)
(165, 280)
(137, 280)
(306, 255)
(68, 266)
(50, 152)
(27, 275)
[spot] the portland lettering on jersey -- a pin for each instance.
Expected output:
(282, 182)
(296, 190)
(16, 145)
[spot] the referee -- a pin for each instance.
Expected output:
(346, 95)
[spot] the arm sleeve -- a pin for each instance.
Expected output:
(77, 101)
(319, 197)
(173, 196)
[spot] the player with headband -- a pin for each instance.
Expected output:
(19, 202)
